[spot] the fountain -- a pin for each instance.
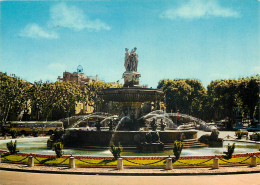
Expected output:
(132, 125)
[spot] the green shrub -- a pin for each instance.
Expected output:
(13, 133)
(214, 135)
(230, 150)
(11, 146)
(116, 151)
(239, 134)
(58, 147)
(178, 145)
(35, 132)
(5, 131)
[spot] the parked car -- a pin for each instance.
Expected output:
(255, 136)
(253, 129)
(238, 126)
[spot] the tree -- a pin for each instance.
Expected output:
(92, 90)
(13, 97)
(69, 93)
(248, 92)
(47, 97)
(198, 98)
(223, 98)
(185, 95)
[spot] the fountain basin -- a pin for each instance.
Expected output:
(89, 139)
(38, 146)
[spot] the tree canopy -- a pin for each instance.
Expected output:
(218, 101)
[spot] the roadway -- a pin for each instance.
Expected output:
(24, 178)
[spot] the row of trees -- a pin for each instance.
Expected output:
(218, 101)
(45, 100)
(52, 101)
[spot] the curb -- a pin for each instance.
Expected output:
(127, 174)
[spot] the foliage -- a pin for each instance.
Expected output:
(48, 98)
(58, 147)
(177, 148)
(92, 93)
(5, 130)
(13, 133)
(52, 101)
(184, 95)
(116, 151)
(35, 132)
(248, 91)
(214, 135)
(13, 97)
(223, 98)
(11, 146)
(218, 102)
(230, 150)
(57, 135)
(102, 162)
(239, 134)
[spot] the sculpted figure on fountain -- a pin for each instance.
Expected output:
(131, 76)
(131, 60)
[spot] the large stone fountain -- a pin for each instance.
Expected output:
(131, 125)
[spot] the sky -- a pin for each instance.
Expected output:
(200, 39)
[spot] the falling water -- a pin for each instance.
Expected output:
(114, 132)
(108, 118)
(193, 120)
(158, 114)
(92, 115)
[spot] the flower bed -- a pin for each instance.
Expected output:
(98, 161)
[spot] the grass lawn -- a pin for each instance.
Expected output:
(134, 162)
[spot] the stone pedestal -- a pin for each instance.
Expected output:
(253, 161)
(120, 164)
(71, 162)
(131, 78)
(30, 161)
(215, 163)
(168, 164)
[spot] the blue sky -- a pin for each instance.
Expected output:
(201, 39)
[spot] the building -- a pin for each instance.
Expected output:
(79, 77)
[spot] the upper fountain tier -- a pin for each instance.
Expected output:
(132, 94)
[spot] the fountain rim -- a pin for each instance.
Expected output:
(131, 90)
(2, 151)
(131, 94)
